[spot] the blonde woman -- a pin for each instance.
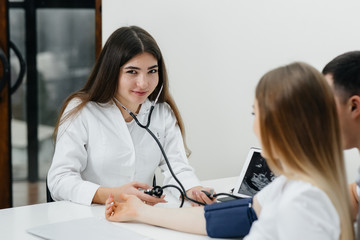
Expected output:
(296, 123)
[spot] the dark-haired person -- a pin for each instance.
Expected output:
(99, 149)
(309, 198)
(343, 75)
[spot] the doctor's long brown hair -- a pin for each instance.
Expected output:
(124, 44)
(300, 133)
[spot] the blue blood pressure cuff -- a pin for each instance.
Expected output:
(229, 219)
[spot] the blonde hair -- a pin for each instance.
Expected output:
(300, 131)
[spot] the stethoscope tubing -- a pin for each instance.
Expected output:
(146, 127)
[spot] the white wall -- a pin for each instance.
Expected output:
(216, 51)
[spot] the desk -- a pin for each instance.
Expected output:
(15, 221)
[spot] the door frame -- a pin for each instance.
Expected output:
(98, 27)
(5, 113)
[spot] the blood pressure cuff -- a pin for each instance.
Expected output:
(229, 219)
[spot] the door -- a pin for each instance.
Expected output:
(57, 40)
(5, 159)
(31, 13)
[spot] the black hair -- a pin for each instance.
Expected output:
(345, 71)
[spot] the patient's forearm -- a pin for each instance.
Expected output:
(189, 220)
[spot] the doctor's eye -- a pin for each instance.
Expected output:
(153, 71)
(131, 72)
(252, 113)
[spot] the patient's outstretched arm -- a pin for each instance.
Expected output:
(131, 208)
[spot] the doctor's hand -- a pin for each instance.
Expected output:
(197, 194)
(132, 188)
(128, 209)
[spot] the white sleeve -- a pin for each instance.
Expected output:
(175, 151)
(270, 190)
(70, 159)
(310, 216)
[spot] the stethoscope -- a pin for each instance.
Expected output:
(157, 190)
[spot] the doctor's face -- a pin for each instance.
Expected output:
(138, 78)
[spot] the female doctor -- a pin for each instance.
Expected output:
(99, 147)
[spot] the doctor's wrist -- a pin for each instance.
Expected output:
(101, 195)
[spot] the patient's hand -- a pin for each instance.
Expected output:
(126, 210)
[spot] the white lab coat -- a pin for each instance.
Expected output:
(97, 148)
(296, 210)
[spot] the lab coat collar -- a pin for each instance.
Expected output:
(145, 107)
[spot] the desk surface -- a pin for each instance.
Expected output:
(15, 221)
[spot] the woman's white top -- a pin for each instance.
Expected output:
(293, 209)
(97, 148)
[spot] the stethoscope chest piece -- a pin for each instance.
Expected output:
(157, 191)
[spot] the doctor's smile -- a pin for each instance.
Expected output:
(139, 93)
